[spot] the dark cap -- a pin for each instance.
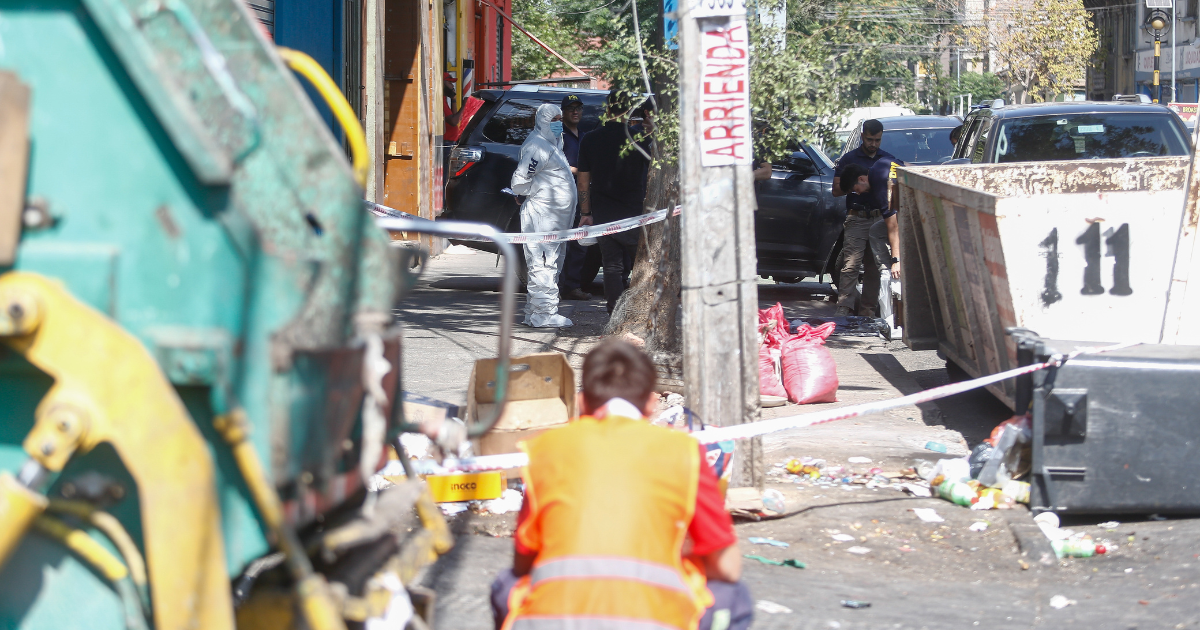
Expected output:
(571, 100)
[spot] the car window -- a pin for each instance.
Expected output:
(967, 139)
(820, 156)
(853, 141)
(512, 122)
(980, 146)
(918, 146)
(1088, 137)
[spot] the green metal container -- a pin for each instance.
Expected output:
(182, 184)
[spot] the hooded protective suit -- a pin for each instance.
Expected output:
(544, 177)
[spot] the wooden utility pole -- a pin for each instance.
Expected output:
(720, 292)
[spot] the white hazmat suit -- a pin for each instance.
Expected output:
(544, 177)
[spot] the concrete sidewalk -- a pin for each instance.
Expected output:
(915, 574)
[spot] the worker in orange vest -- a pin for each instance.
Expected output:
(622, 524)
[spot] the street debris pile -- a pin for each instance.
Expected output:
(989, 478)
(795, 365)
(850, 325)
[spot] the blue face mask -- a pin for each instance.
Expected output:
(556, 128)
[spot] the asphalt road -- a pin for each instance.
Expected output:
(914, 574)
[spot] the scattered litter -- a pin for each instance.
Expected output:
(450, 509)
(854, 603)
(915, 490)
(984, 503)
(1108, 525)
(1048, 522)
(1060, 601)
(771, 608)
(859, 460)
(509, 501)
(773, 500)
(859, 550)
(790, 562)
(843, 537)
(905, 548)
(1129, 570)
(767, 541)
(1077, 548)
(929, 515)
(851, 325)
(936, 447)
(979, 526)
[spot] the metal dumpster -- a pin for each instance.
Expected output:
(1078, 250)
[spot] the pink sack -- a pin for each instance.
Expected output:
(809, 372)
(773, 326)
(768, 381)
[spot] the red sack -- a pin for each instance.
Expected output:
(809, 372)
(768, 381)
(773, 326)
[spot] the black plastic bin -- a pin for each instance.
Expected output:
(1116, 432)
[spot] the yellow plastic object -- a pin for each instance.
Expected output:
(308, 68)
(84, 546)
(108, 388)
(111, 528)
(470, 487)
(317, 604)
(19, 506)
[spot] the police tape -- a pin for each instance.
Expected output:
(520, 238)
(714, 435)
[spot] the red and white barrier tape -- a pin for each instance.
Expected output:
(713, 435)
(519, 238)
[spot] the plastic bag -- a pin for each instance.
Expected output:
(773, 326)
(768, 378)
(809, 372)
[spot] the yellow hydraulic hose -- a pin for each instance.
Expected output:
(316, 602)
(84, 546)
(111, 527)
(308, 68)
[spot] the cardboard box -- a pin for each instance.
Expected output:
(541, 395)
(467, 487)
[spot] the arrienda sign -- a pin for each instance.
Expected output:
(724, 109)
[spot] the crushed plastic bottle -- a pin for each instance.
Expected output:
(1077, 548)
(956, 492)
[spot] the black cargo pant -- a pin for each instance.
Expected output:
(617, 252)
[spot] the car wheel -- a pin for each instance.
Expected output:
(514, 226)
(834, 266)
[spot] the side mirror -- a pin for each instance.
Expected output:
(800, 163)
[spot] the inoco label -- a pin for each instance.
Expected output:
(724, 106)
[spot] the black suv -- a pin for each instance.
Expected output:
(915, 140)
(483, 161)
(798, 223)
(1072, 130)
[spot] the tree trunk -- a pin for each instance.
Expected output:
(650, 308)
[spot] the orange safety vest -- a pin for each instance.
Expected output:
(610, 502)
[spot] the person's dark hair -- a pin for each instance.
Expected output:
(616, 369)
(955, 134)
(872, 127)
(617, 104)
(850, 176)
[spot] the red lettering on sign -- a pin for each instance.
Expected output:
(738, 87)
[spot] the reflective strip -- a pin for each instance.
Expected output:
(587, 623)
(584, 567)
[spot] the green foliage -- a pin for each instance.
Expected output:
(1042, 47)
(834, 55)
